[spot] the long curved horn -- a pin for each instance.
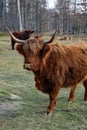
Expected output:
(52, 38)
(16, 39)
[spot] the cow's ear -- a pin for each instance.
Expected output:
(31, 31)
(19, 48)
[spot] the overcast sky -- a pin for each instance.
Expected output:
(51, 3)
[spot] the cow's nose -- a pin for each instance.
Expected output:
(27, 66)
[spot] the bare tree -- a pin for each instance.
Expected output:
(1, 13)
(19, 16)
(62, 8)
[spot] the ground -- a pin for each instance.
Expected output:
(22, 106)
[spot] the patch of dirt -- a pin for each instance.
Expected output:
(6, 106)
(10, 105)
(13, 96)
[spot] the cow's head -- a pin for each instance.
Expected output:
(31, 49)
(29, 32)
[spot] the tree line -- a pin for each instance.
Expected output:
(68, 16)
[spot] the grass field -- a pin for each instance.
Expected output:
(22, 106)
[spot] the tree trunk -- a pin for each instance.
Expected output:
(19, 16)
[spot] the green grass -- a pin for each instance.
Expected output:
(28, 111)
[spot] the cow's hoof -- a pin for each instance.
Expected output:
(85, 101)
(49, 113)
(70, 101)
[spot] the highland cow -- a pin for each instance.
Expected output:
(21, 35)
(55, 66)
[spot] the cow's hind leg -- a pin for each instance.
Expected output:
(72, 94)
(12, 43)
(85, 86)
(52, 103)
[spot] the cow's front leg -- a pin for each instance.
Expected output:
(72, 94)
(52, 103)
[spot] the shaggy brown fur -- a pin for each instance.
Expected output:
(21, 35)
(55, 66)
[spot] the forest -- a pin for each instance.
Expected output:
(68, 16)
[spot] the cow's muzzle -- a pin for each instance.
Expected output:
(27, 66)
